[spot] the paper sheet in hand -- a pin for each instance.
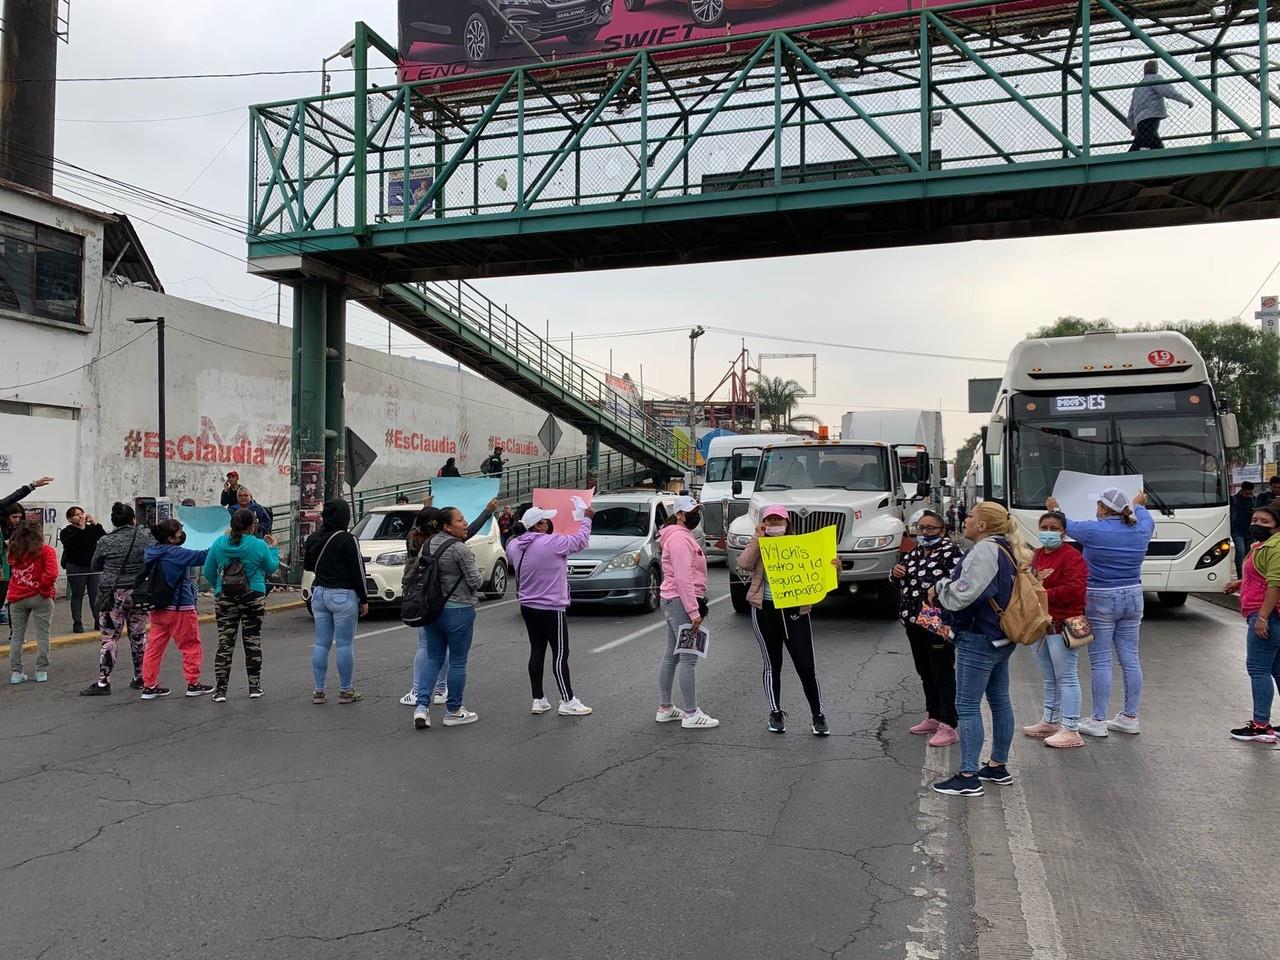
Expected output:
(689, 642)
(1077, 493)
(469, 494)
(561, 501)
(203, 525)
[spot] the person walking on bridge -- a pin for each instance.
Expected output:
(1147, 108)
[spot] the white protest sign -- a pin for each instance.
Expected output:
(1077, 493)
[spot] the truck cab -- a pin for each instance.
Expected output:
(863, 489)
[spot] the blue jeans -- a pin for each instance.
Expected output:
(336, 613)
(1262, 660)
(1242, 550)
(1061, 681)
(1116, 615)
(982, 669)
(446, 640)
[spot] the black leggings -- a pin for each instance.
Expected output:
(548, 628)
(775, 628)
(936, 663)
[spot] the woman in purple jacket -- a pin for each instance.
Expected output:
(541, 561)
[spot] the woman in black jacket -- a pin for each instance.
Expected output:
(338, 597)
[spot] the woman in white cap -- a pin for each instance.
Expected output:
(1115, 544)
(684, 604)
(541, 561)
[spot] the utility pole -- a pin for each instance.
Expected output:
(159, 322)
(694, 334)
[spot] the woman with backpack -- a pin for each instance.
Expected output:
(983, 581)
(457, 578)
(1115, 545)
(33, 578)
(120, 556)
(237, 566)
(540, 557)
(338, 598)
(173, 614)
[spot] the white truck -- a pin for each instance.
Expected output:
(864, 488)
(908, 427)
(720, 507)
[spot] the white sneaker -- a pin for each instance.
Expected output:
(17, 678)
(439, 698)
(410, 699)
(666, 716)
(421, 718)
(573, 708)
(1093, 728)
(540, 706)
(699, 721)
(1123, 724)
(458, 719)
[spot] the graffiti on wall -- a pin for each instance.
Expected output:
(211, 446)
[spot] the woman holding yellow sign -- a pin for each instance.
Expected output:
(776, 627)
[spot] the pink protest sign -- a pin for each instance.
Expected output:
(562, 501)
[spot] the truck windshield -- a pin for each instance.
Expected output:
(720, 468)
(1170, 437)
(834, 467)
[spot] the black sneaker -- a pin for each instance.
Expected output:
(136, 683)
(96, 689)
(960, 786)
(998, 774)
(155, 693)
(1257, 732)
(820, 728)
(219, 695)
(255, 691)
(198, 689)
(777, 721)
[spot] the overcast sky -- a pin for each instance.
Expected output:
(973, 300)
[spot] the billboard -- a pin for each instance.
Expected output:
(447, 39)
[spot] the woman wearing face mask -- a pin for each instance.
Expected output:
(1063, 572)
(684, 603)
(932, 560)
(776, 628)
(1259, 591)
(1114, 545)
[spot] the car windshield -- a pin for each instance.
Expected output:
(719, 469)
(385, 526)
(822, 467)
(621, 519)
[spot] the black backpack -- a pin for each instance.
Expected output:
(235, 582)
(424, 598)
(151, 591)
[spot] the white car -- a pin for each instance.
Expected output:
(381, 534)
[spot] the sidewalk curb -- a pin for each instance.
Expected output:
(95, 636)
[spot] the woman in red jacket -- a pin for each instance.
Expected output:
(1064, 572)
(32, 587)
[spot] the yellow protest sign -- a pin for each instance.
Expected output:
(799, 567)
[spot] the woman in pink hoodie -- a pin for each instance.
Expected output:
(541, 561)
(684, 603)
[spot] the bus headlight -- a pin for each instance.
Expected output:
(1214, 555)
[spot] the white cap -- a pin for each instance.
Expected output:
(1113, 498)
(535, 515)
(685, 504)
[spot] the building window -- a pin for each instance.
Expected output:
(40, 270)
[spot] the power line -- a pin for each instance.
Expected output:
(1245, 309)
(83, 366)
(189, 116)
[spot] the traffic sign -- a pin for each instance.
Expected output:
(360, 457)
(550, 435)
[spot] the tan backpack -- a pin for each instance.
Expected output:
(1026, 619)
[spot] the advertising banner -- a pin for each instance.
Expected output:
(447, 39)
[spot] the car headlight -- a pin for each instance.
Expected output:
(624, 561)
(397, 559)
(874, 543)
(739, 540)
(1214, 555)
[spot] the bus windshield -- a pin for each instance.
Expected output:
(1169, 437)
(720, 468)
(825, 467)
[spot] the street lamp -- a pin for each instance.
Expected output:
(159, 322)
(343, 54)
(694, 334)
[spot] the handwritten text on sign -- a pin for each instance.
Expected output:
(799, 568)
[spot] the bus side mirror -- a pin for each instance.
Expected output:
(923, 490)
(1230, 431)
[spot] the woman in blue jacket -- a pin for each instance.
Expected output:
(238, 565)
(1114, 545)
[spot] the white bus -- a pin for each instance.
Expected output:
(1119, 403)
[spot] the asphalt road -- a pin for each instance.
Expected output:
(184, 828)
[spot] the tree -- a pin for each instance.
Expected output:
(1069, 327)
(964, 456)
(777, 398)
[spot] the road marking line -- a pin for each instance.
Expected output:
(401, 626)
(930, 928)
(660, 625)
(1043, 932)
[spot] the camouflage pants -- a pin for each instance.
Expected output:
(243, 616)
(119, 614)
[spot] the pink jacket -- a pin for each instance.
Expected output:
(684, 568)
